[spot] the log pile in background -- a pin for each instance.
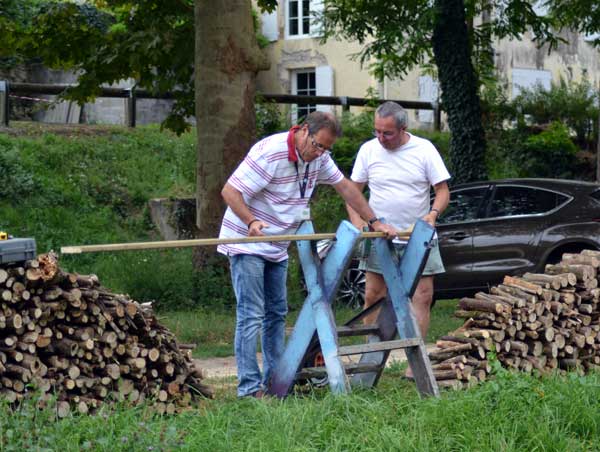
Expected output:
(64, 334)
(545, 322)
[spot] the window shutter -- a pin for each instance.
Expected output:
(269, 26)
(324, 81)
(316, 11)
(428, 92)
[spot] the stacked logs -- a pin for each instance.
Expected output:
(544, 322)
(64, 335)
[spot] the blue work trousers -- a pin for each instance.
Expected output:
(261, 293)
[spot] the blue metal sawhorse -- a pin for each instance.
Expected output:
(395, 316)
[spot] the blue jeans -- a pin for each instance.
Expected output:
(260, 289)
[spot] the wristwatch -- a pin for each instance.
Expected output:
(373, 220)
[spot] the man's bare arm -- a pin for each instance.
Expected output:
(234, 199)
(442, 198)
(355, 218)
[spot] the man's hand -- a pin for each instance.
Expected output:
(389, 231)
(431, 218)
(256, 227)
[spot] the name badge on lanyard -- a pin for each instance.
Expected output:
(305, 212)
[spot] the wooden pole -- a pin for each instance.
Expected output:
(4, 103)
(209, 242)
(598, 145)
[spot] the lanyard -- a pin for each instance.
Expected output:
(302, 185)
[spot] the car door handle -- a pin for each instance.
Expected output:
(459, 236)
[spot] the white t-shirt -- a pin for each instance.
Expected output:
(400, 180)
(270, 185)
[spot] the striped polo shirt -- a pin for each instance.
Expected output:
(270, 184)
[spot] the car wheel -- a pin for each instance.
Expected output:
(352, 288)
(574, 248)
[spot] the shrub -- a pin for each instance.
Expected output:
(357, 128)
(573, 104)
(549, 154)
(269, 119)
(519, 153)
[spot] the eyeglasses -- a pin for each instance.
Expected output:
(319, 146)
(386, 134)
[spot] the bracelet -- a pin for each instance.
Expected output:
(249, 224)
(433, 209)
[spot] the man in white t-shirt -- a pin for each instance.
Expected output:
(400, 169)
(269, 192)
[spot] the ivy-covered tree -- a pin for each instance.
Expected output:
(399, 35)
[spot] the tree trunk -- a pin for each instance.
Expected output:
(227, 60)
(451, 49)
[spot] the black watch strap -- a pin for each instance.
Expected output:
(373, 220)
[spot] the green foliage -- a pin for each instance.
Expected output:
(149, 42)
(17, 182)
(397, 35)
(573, 104)
(549, 154)
(106, 41)
(580, 15)
(503, 158)
(358, 128)
(212, 284)
(566, 117)
(518, 153)
(82, 190)
(269, 119)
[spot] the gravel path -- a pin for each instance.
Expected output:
(226, 367)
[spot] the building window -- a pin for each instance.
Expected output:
(299, 17)
(302, 18)
(304, 83)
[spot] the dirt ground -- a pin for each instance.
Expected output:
(216, 368)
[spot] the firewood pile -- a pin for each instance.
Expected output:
(544, 322)
(64, 335)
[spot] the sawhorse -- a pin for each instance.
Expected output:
(395, 316)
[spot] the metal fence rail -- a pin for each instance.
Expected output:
(132, 94)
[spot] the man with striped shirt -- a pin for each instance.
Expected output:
(270, 192)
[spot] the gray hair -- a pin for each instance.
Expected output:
(318, 120)
(390, 108)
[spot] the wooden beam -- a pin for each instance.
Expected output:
(211, 242)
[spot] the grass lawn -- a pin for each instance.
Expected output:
(513, 412)
(212, 330)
